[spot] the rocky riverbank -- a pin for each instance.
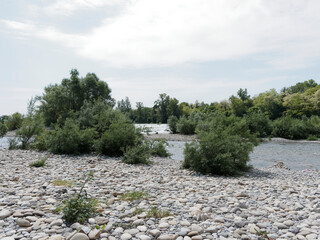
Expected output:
(280, 203)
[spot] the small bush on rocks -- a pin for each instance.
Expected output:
(118, 138)
(3, 129)
(290, 128)
(39, 163)
(134, 195)
(158, 148)
(172, 122)
(155, 212)
(60, 182)
(138, 154)
(186, 126)
(80, 207)
(14, 121)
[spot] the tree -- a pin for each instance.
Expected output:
(61, 101)
(161, 106)
(124, 105)
(242, 103)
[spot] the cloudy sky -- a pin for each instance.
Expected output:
(201, 50)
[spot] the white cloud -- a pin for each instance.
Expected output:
(150, 33)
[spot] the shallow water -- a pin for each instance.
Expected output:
(295, 155)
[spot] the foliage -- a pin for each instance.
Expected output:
(172, 122)
(290, 128)
(124, 105)
(60, 182)
(62, 101)
(155, 212)
(3, 129)
(259, 124)
(70, 139)
(186, 126)
(80, 207)
(158, 148)
(39, 163)
(134, 195)
(223, 150)
(138, 154)
(118, 138)
(242, 103)
(14, 121)
(300, 87)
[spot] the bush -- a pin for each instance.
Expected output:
(70, 139)
(3, 130)
(139, 154)
(14, 121)
(186, 126)
(258, 124)
(39, 163)
(80, 207)
(313, 125)
(117, 139)
(155, 212)
(218, 153)
(290, 128)
(172, 122)
(158, 148)
(223, 149)
(134, 195)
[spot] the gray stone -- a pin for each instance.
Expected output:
(80, 236)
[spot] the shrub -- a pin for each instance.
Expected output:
(3, 129)
(155, 212)
(117, 139)
(290, 128)
(39, 163)
(60, 182)
(313, 125)
(258, 124)
(134, 195)
(158, 148)
(218, 153)
(223, 149)
(80, 207)
(172, 122)
(138, 154)
(14, 121)
(186, 126)
(31, 126)
(70, 139)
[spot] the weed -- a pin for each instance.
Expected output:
(124, 225)
(60, 182)
(263, 234)
(155, 212)
(39, 163)
(134, 195)
(80, 207)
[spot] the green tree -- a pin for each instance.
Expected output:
(124, 105)
(161, 107)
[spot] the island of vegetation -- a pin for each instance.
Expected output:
(68, 173)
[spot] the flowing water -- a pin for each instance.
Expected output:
(295, 155)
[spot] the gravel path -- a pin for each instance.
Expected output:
(282, 203)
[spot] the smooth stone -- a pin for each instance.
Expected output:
(101, 220)
(312, 236)
(144, 237)
(165, 237)
(126, 236)
(22, 222)
(5, 213)
(80, 236)
(94, 234)
(57, 222)
(56, 237)
(91, 221)
(138, 222)
(142, 228)
(155, 233)
(197, 237)
(133, 232)
(164, 225)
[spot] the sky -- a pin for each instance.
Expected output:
(193, 50)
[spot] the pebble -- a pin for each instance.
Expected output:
(284, 203)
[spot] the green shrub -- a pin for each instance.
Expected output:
(117, 139)
(30, 127)
(3, 129)
(223, 149)
(313, 125)
(155, 212)
(186, 126)
(80, 207)
(158, 148)
(290, 128)
(138, 154)
(218, 153)
(39, 163)
(312, 138)
(258, 124)
(14, 121)
(70, 139)
(134, 195)
(172, 122)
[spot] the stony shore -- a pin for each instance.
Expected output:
(281, 203)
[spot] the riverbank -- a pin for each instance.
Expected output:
(284, 203)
